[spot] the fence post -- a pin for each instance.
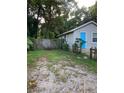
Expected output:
(91, 53)
(95, 56)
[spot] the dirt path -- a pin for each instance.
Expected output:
(61, 77)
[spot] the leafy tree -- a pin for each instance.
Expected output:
(31, 26)
(48, 18)
(53, 12)
(77, 18)
(84, 15)
(91, 14)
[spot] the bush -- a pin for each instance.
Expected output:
(65, 46)
(60, 43)
(76, 47)
(29, 44)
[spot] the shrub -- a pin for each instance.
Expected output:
(60, 43)
(29, 44)
(65, 46)
(76, 47)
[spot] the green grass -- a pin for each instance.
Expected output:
(59, 55)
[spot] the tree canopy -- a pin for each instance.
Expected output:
(48, 18)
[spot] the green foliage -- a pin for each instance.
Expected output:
(49, 18)
(29, 44)
(77, 17)
(91, 14)
(65, 46)
(32, 26)
(60, 43)
(53, 12)
(76, 47)
(82, 16)
(55, 56)
(79, 42)
(55, 27)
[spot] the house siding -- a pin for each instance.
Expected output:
(89, 30)
(70, 39)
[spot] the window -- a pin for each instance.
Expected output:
(94, 39)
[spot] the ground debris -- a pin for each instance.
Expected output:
(60, 78)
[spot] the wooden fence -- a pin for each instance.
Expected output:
(48, 43)
(93, 53)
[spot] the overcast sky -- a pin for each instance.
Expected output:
(85, 3)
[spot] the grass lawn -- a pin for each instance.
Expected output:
(59, 55)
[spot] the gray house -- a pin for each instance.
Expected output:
(87, 32)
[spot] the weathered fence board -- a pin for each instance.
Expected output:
(47, 43)
(93, 53)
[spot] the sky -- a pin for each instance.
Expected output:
(85, 3)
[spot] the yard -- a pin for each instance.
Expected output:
(58, 71)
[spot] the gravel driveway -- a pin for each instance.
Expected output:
(60, 77)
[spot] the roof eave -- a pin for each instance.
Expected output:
(77, 28)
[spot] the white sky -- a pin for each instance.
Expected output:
(85, 3)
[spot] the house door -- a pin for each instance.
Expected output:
(83, 37)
